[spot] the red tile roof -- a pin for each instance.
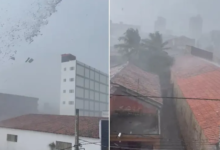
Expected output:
(198, 78)
(188, 66)
(58, 124)
(206, 112)
(137, 80)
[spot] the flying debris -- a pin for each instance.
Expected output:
(27, 59)
(31, 60)
(12, 57)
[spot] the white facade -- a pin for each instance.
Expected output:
(68, 71)
(89, 89)
(33, 140)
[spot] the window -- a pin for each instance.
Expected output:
(87, 83)
(64, 69)
(92, 74)
(102, 107)
(12, 138)
(91, 84)
(103, 79)
(79, 92)
(97, 96)
(91, 95)
(96, 106)
(64, 80)
(103, 97)
(63, 102)
(80, 70)
(64, 91)
(71, 91)
(103, 88)
(96, 86)
(71, 68)
(87, 94)
(71, 79)
(86, 104)
(71, 102)
(96, 76)
(87, 72)
(91, 105)
(63, 145)
(79, 103)
(80, 81)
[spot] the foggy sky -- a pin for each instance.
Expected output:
(79, 27)
(176, 12)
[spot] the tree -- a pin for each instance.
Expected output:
(157, 59)
(154, 42)
(130, 43)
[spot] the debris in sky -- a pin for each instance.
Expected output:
(16, 30)
(12, 57)
(31, 60)
(27, 59)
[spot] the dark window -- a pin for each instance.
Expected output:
(12, 138)
(64, 91)
(64, 80)
(71, 91)
(71, 102)
(63, 145)
(71, 79)
(71, 68)
(63, 102)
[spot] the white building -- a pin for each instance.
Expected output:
(83, 88)
(37, 132)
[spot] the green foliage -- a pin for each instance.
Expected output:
(147, 54)
(130, 43)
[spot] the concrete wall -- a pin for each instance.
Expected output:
(66, 73)
(31, 140)
(15, 105)
(189, 127)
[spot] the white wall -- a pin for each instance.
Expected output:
(67, 109)
(31, 140)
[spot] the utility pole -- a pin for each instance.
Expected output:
(77, 129)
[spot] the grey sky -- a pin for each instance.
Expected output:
(79, 27)
(177, 13)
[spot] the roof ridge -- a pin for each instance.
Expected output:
(122, 67)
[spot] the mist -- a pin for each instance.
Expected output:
(43, 30)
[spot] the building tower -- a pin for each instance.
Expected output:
(160, 25)
(83, 88)
(195, 27)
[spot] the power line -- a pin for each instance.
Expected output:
(187, 98)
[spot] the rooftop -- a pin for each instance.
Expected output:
(189, 66)
(133, 78)
(57, 124)
(198, 78)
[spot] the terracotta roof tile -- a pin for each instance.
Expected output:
(207, 112)
(188, 66)
(137, 80)
(58, 124)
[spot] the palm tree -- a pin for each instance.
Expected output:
(130, 43)
(158, 61)
(155, 42)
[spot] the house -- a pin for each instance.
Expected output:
(178, 44)
(38, 131)
(134, 117)
(15, 105)
(199, 120)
